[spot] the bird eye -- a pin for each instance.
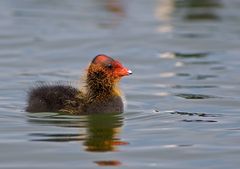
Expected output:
(109, 66)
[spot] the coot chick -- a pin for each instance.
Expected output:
(100, 94)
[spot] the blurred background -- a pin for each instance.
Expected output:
(182, 99)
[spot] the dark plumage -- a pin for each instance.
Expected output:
(53, 98)
(101, 94)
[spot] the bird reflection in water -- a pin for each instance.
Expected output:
(102, 132)
(103, 136)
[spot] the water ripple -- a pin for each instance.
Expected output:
(193, 86)
(171, 55)
(194, 96)
(197, 120)
(203, 77)
(195, 114)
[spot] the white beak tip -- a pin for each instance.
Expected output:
(129, 72)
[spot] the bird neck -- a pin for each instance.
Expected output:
(101, 86)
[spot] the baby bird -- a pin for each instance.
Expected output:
(101, 93)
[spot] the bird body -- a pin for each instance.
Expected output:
(101, 93)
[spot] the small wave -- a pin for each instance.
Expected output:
(195, 96)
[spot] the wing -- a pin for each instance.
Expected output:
(54, 98)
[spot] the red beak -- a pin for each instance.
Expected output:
(124, 72)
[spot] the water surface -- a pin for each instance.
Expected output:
(183, 98)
